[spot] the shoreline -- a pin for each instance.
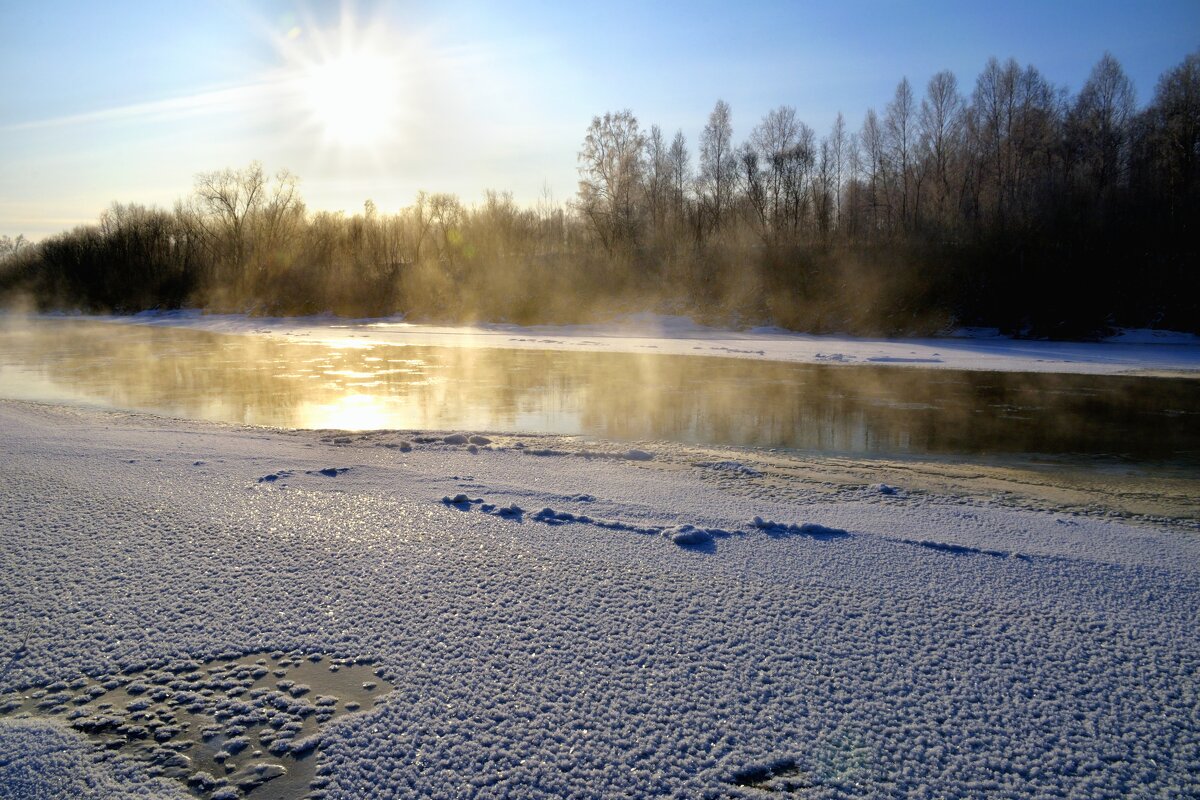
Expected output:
(1133, 353)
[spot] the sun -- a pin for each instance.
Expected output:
(345, 76)
(353, 97)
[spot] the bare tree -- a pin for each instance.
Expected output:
(235, 211)
(718, 163)
(871, 139)
(852, 203)
(993, 113)
(446, 219)
(797, 163)
(1098, 127)
(823, 189)
(657, 171)
(837, 155)
(680, 166)
(939, 135)
(1174, 119)
(610, 177)
(752, 182)
(280, 213)
(11, 247)
(773, 140)
(899, 125)
(223, 201)
(1015, 122)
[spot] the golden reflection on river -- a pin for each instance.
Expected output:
(347, 385)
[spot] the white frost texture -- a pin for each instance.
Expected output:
(671, 629)
(42, 761)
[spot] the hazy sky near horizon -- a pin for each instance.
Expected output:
(128, 100)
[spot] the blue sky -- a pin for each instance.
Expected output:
(127, 100)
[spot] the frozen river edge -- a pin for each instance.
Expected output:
(648, 621)
(1128, 352)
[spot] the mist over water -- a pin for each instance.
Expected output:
(885, 411)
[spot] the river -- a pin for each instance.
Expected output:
(830, 409)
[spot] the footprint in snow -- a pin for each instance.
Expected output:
(964, 550)
(461, 501)
(734, 467)
(782, 776)
(809, 529)
(688, 536)
(328, 472)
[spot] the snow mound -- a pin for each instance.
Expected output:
(810, 529)
(687, 535)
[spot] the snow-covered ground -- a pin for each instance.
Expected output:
(661, 621)
(1129, 352)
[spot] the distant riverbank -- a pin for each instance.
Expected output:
(1128, 352)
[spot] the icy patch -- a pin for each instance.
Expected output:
(223, 728)
(40, 760)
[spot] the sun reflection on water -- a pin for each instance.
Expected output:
(351, 412)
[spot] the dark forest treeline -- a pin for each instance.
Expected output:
(1014, 205)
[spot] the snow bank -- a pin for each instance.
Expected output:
(969, 349)
(863, 644)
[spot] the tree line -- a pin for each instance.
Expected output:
(1013, 204)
